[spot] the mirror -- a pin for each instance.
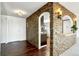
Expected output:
(67, 24)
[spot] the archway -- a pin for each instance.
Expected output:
(67, 24)
(44, 29)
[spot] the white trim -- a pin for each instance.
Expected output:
(39, 29)
(11, 41)
(43, 46)
(68, 17)
(39, 33)
(64, 18)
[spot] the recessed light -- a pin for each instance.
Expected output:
(20, 12)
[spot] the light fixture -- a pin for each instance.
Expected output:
(75, 19)
(20, 12)
(58, 13)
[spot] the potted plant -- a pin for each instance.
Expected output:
(74, 27)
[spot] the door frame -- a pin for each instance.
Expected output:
(39, 30)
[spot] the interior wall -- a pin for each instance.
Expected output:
(13, 29)
(32, 24)
(61, 41)
(0, 28)
(78, 28)
(0, 36)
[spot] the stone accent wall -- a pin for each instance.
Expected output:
(64, 10)
(32, 30)
(61, 42)
(32, 23)
(58, 42)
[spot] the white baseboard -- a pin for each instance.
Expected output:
(11, 41)
(43, 46)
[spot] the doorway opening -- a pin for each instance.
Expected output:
(44, 29)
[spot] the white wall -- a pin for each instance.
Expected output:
(13, 29)
(0, 30)
(0, 35)
(78, 26)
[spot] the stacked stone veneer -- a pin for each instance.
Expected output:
(58, 42)
(32, 23)
(61, 42)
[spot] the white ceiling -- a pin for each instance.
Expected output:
(31, 7)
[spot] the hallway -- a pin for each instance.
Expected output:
(73, 51)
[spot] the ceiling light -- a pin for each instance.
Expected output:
(20, 12)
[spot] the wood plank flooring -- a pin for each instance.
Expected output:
(22, 48)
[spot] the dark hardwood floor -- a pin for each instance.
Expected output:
(21, 48)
